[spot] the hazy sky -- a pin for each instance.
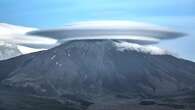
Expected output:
(177, 14)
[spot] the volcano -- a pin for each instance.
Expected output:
(96, 75)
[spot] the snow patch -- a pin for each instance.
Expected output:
(27, 50)
(53, 57)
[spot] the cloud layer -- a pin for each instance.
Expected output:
(31, 39)
(144, 32)
(13, 34)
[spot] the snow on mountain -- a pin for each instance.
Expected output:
(16, 35)
(8, 50)
(27, 50)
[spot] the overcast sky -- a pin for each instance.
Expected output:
(177, 14)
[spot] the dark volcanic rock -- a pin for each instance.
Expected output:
(94, 69)
(98, 75)
(147, 102)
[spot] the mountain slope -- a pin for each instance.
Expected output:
(92, 70)
(90, 67)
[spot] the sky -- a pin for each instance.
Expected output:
(176, 14)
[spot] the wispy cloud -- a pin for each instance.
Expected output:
(17, 35)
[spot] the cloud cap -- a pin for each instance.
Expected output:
(108, 29)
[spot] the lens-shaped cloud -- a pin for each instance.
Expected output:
(124, 30)
(133, 39)
(17, 35)
(8, 29)
(32, 39)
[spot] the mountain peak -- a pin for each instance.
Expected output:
(89, 72)
(94, 67)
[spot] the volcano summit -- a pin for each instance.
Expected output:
(97, 75)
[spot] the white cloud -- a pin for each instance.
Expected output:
(150, 49)
(32, 40)
(115, 24)
(131, 31)
(7, 29)
(17, 35)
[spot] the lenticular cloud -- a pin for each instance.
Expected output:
(135, 32)
(12, 34)
(133, 35)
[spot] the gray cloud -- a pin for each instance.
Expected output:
(135, 32)
(32, 39)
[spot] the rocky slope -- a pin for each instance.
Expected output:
(89, 72)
